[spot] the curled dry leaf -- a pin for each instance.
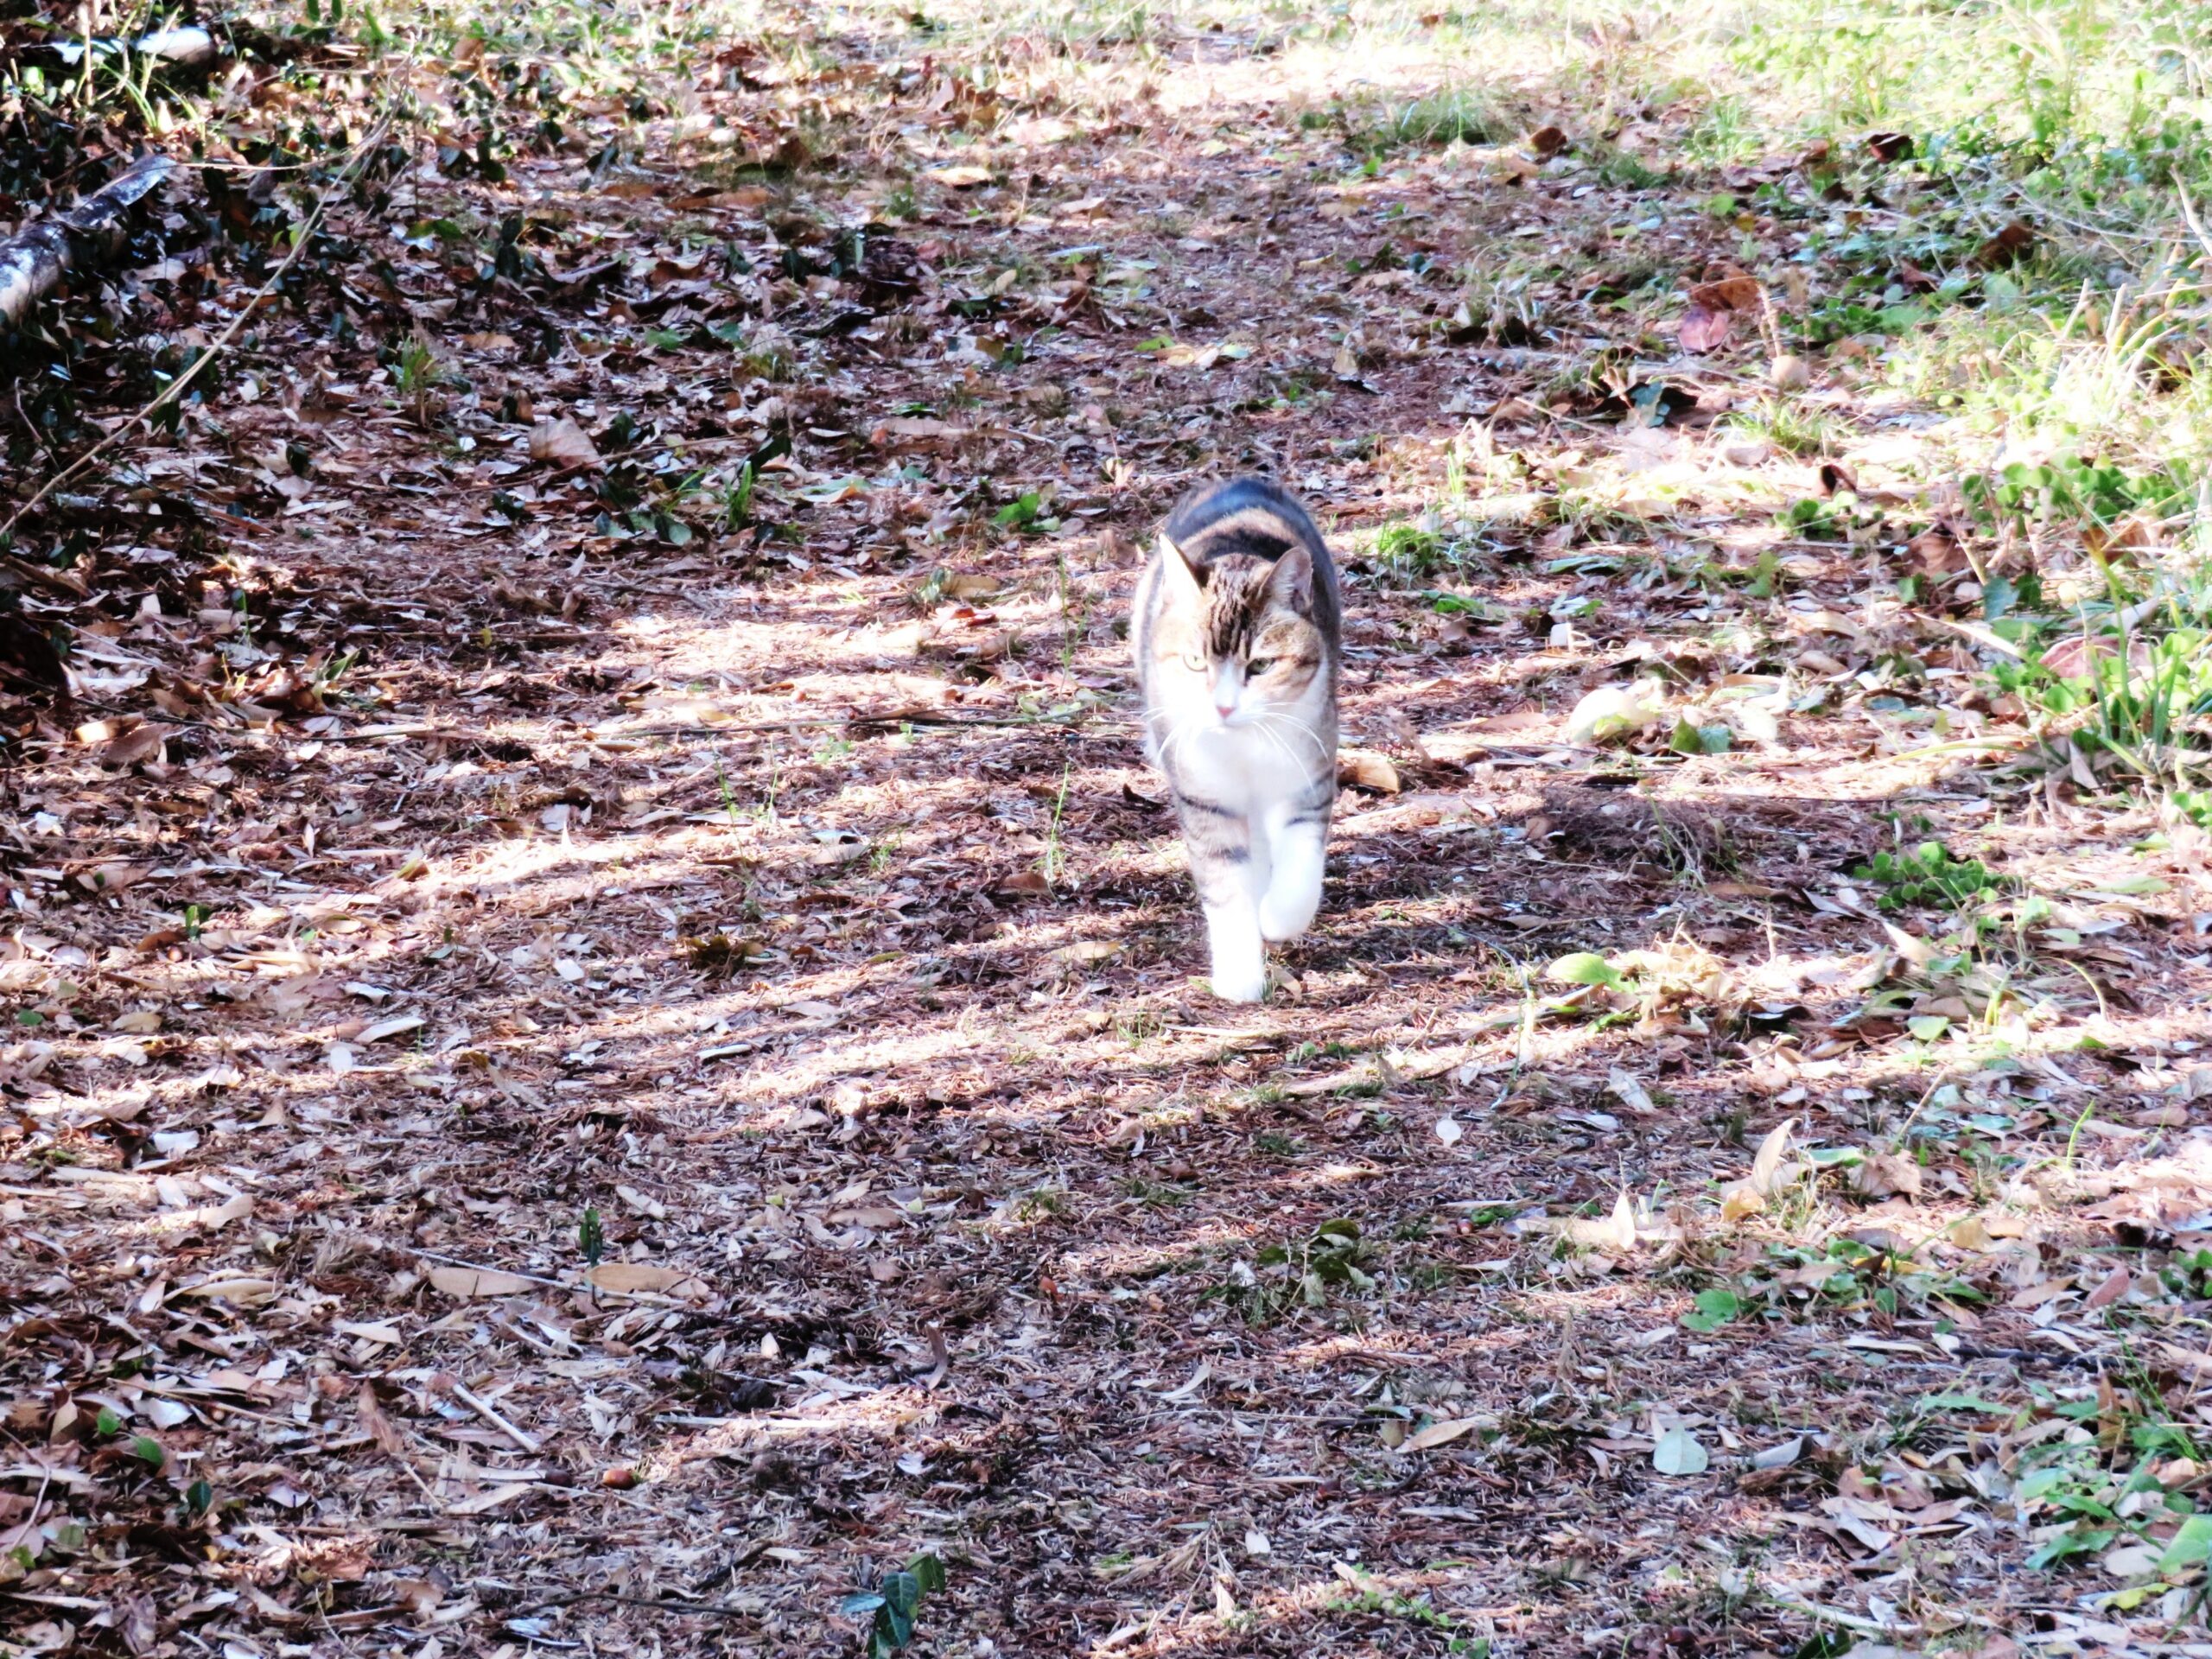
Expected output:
(1703, 329)
(1937, 551)
(2114, 1287)
(648, 1279)
(1883, 1174)
(1449, 1430)
(377, 1426)
(133, 748)
(1736, 291)
(1769, 1174)
(562, 442)
(1363, 769)
(247, 1290)
(2005, 247)
(1613, 712)
(470, 1284)
(1630, 1092)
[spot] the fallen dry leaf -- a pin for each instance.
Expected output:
(644, 1278)
(1363, 769)
(471, 1283)
(562, 442)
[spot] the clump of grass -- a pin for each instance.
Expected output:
(1790, 424)
(1455, 114)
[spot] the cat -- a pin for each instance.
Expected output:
(1238, 634)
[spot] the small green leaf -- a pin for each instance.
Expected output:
(2073, 1541)
(1927, 1027)
(860, 1604)
(1714, 1309)
(929, 1573)
(902, 1593)
(149, 1452)
(1700, 740)
(1584, 968)
(1958, 1402)
(2133, 884)
(2191, 1546)
(199, 1498)
(107, 1425)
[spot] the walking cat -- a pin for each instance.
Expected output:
(1238, 634)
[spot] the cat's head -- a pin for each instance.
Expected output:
(1238, 632)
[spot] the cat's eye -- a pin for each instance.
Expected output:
(1194, 662)
(1258, 666)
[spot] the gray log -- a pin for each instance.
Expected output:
(33, 261)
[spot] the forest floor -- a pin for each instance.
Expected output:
(611, 1036)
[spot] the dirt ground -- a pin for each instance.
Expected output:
(588, 1082)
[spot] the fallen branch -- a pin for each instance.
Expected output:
(184, 48)
(302, 237)
(33, 261)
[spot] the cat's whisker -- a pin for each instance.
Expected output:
(1320, 748)
(1264, 724)
(1175, 733)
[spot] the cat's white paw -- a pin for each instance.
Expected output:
(1241, 985)
(1287, 910)
(1240, 970)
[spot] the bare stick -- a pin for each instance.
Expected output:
(169, 393)
(490, 1414)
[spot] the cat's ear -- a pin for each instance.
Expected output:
(1183, 579)
(1292, 582)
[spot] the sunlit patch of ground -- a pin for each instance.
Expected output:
(673, 1105)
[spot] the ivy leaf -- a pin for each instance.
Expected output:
(1714, 1309)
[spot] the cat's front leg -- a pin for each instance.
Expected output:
(1239, 956)
(1230, 873)
(1298, 848)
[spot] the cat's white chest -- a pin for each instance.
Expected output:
(1255, 764)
